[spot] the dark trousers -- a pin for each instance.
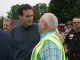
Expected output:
(73, 56)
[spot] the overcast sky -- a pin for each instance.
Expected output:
(5, 5)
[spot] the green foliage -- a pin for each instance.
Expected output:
(1, 22)
(65, 10)
(13, 14)
(39, 10)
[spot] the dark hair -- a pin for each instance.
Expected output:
(23, 7)
(70, 23)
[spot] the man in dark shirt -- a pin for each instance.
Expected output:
(6, 46)
(73, 41)
(25, 35)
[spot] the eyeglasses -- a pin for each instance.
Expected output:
(76, 22)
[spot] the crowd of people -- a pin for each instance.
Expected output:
(42, 41)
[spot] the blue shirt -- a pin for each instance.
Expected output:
(25, 40)
(50, 50)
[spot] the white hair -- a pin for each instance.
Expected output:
(51, 20)
(75, 19)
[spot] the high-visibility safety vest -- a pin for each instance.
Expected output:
(54, 39)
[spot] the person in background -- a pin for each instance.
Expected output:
(7, 24)
(61, 28)
(69, 27)
(6, 46)
(72, 41)
(26, 34)
(50, 46)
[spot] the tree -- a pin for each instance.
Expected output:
(65, 10)
(39, 10)
(13, 14)
(1, 21)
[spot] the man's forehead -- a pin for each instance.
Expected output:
(76, 19)
(7, 21)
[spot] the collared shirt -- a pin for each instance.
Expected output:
(50, 50)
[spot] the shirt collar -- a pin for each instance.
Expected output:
(26, 28)
(47, 33)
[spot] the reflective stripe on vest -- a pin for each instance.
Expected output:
(52, 38)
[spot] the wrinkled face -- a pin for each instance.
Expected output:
(76, 23)
(27, 18)
(7, 26)
(41, 26)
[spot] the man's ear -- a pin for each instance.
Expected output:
(44, 25)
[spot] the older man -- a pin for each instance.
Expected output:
(50, 46)
(73, 41)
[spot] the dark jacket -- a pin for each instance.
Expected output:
(73, 41)
(25, 39)
(6, 46)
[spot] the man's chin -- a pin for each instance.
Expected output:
(6, 30)
(77, 28)
(30, 24)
